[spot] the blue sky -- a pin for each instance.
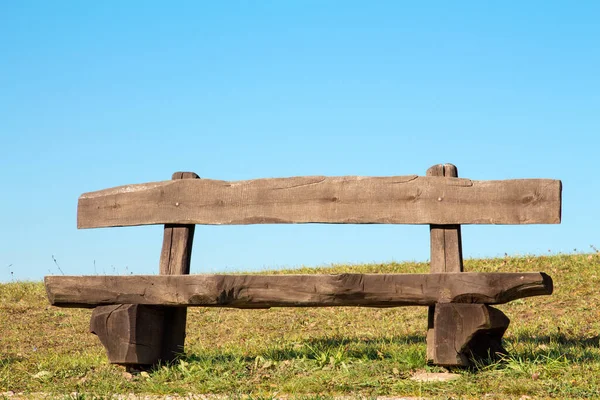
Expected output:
(100, 94)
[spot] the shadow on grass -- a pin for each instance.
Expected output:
(559, 338)
(523, 347)
(359, 348)
(338, 341)
(572, 349)
(10, 359)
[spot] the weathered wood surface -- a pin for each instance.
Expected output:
(446, 252)
(263, 291)
(175, 259)
(136, 334)
(176, 252)
(349, 199)
(467, 332)
(132, 334)
(446, 241)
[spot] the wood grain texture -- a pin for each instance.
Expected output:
(263, 291)
(175, 259)
(176, 252)
(446, 240)
(446, 251)
(132, 334)
(349, 199)
(467, 332)
(136, 334)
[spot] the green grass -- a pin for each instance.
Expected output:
(320, 352)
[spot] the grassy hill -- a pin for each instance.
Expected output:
(320, 352)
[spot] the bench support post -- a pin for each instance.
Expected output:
(130, 333)
(446, 254)
(445, 240)
(466, 332)
(138, 335)
(456, 332)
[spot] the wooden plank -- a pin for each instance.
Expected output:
(349, 199)
(263, 291)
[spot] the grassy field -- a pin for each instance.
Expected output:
(319, 353)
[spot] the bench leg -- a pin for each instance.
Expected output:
(138, 335)
(462, 333)
(132, 335)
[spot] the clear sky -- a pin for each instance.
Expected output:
(100, 94)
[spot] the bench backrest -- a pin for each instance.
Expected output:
(411, 199)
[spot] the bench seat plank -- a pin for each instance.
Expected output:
(317, 199)
(264, 291)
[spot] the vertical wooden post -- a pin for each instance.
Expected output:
(175, 258)
(446, 241)
(446, 253)
(457, 333)
(137, 335)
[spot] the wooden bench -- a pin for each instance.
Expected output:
(141, 319)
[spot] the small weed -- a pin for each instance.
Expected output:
(332, 357)
(57, 266)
